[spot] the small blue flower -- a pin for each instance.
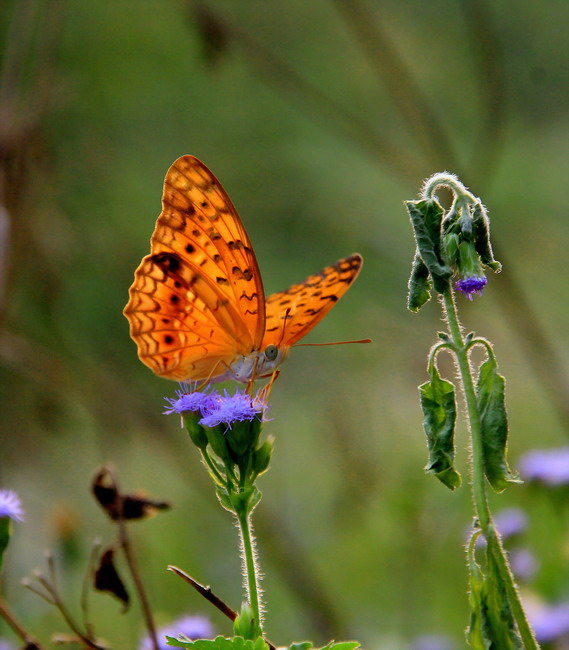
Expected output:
(193, 627)
(432, 642)
(524, 563)
(188, 399)
(548, 466)
(233, 408)
(550, 622)
(471, 285)
(11, 506)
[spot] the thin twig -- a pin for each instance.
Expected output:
(208, 594)
(85, 587)
(124, 541)
(18, 628)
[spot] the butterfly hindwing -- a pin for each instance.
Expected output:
(291, 314)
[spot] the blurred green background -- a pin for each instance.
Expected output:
(319, 118)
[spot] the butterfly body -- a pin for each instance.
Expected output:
(197, 308)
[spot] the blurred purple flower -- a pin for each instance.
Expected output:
(6, 645)
(550, 622)
(548, 466)
(471, 285)
(524, 563)
(511, 522)
(193, 627)
(10, 505)
(431, 642)
(233, 408)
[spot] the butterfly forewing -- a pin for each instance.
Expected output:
(197, 300)
(291, 314)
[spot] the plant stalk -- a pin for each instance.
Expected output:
(250, 565)
(478, 484)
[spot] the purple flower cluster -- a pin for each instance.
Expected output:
(471, 285)
(547, 466)
(11, 506)
(215, 408)
(192, 627)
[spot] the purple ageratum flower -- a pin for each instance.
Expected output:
(234, 408)
(193, 627)
(188, 399)
(6, 645)
(10, 505)
(471, 285)
(550, 622)
(547, 466)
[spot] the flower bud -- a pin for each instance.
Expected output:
(245, 624)
(262, 456)
(195, 429)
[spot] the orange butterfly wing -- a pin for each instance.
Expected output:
(197, 300)
(291, 314)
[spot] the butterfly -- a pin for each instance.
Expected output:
(197, 309)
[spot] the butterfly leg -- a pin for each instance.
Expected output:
(252, 380)
(211, 374)
(266, 391)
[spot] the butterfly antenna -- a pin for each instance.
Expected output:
(298, 345)
(285, 318)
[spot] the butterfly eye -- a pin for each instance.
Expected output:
(271, 352)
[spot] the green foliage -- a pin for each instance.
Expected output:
(342, 645)
(220, 643)
(491, 624)
(490, 390)
(482, 238)
(439, 410)
(426, 219)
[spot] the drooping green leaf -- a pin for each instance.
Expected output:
(419, 285)
(439, 411)
(482, 238)
(219, 643)
(426, 217)
(491, 624)
(342, 645)
(490, 397)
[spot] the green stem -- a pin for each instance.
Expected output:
(213, 469)
(250, 565)
(479, 493)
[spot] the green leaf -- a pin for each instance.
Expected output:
(219, 643)
(482, 238)
(494, 425)
(491, 624)
(419, 285)
(439, 411)
(342, 645)
(5, 530)
(304, 645)
(426, 217)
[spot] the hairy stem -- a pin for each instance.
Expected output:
(478, 484)
(250, 568)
